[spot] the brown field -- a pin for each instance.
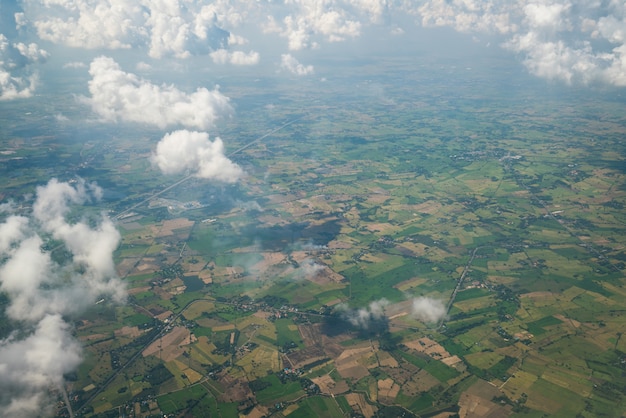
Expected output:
(451, 361)
(409, 284)
(305, 356)
(126, 266)
(387, 390)
(164, 315)
(378, 198)
(428, 346)
(93, 337)
(404, 373)
(205, 347)
(131, 226)
(386, 360)
(383, 228)
(430, 207)
(422, 381)
(226, 327)
(206, 276)
(170, 225)
(132, 332)
(235, 390)
(399, 309)
(358, 403)
(199, 307)
(476, 402)
(328, 385)
(269, 259)
(171, 345)
(569, 321)
(136, 290)
(310, 334)
(340, 245)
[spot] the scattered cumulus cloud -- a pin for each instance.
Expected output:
(120, 96)
(166, 28)
(428, 310)
(43, 292)
(364, 318)
(291, 64)
(572, 41)
(188, 151)
(223, 56)
(17, 77)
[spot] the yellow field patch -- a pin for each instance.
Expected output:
(475, 303)
(259, 361)
(290, 409)
(196, 309)
(227, 327)
(573, 381)
(519, 383)
(192, 375)
(409, 284)
(483, 360)
(205, 348)
(428, 207)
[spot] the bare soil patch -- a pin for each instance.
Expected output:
(132, 332)
(358, 404)
(171, 345)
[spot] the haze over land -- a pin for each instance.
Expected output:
(311, 197)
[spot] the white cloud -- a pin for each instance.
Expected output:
(573, 41)
(317, 18)
(470, 15)
(223, 56)
(428, 310)
(579, 41)
(117, 95)
(291, 64)
(364, 318)
(165, 27)
(42, 292)
(75, 64)
(111, 24)
(17, 79)
(143, 66)
(31, 366)
(236, 40)
(183, 150)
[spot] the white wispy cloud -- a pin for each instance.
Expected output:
(223, 56)
(364, 318)
(291, 64)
